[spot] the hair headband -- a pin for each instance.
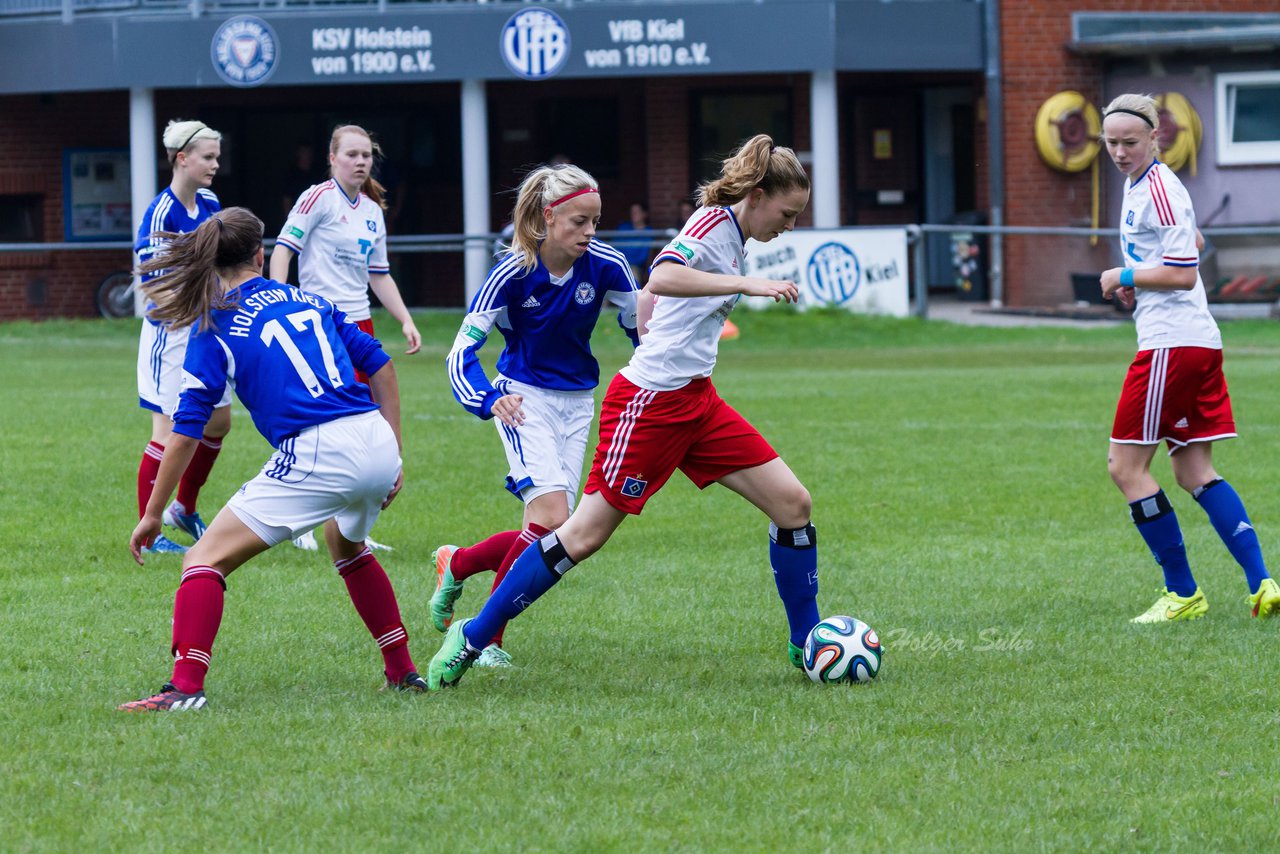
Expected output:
(574, 194)
(203, 126)
(1132, 113)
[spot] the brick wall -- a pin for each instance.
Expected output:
(1036, 64)
(33, 134)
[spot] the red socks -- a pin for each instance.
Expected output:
(197, 613)
(375, 602)
(525, 538)
(148, 468)
(197, 472)
(484, 556)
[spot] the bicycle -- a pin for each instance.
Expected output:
(114, 296)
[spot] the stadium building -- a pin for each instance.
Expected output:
(890, 104)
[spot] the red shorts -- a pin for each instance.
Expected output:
(366, 326)
(1176, 395)
(646, 435)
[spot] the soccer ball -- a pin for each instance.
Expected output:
(842, 649)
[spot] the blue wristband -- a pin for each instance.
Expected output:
(1126, 277)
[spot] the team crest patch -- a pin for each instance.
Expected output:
(1128, 220)
(244, 50)
(585, 293)
(633, 488)
(371, 225)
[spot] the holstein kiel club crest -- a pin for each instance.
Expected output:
(244, 50)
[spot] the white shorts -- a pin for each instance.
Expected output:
(545, 453)
(160, 355)
(341, 470)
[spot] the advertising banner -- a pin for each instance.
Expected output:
(859, 269)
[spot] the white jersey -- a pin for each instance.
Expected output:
(684, 332)
(1159, 229)
(345, 241)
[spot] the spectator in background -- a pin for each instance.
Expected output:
(636, 250)
(686, 211)
(303, 174)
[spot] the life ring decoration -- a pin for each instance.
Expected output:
(1067, 131)
(1180, 131)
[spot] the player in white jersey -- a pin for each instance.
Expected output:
(292, 357)
(339, 234)
(544, 296)
(193, 149)
(1175, 391)
(661, 413)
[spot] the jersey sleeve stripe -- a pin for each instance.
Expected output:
(704, 226)
(379, 269)
(1180, 258)
(610, 255)
(1161, 199)
(294, 246)
(1180, 264)
(311, 200)
(691, 227)
(493, 285)
(668, 255)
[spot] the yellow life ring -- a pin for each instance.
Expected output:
(1180, 131)
(1067, 130)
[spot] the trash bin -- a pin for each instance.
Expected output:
(969, 257)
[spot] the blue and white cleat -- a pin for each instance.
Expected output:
(164, 545)
(189, 523)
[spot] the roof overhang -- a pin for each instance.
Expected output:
(1128, 33)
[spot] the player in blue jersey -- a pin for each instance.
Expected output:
(291, 357)
(662, 413)
(544, 296)
(193, 149)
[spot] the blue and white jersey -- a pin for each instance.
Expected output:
(289, 355)
(546, 323)
(166, 213)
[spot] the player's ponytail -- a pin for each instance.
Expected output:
(180, 134)
(758, 163)
(370, 187)
(543, 188)
(188, 287)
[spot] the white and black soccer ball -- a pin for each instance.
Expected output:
(842, 649)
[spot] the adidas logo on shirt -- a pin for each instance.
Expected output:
(531, 302)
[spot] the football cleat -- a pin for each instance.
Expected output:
(452, 660)
(1170, 607)
(306, 542)
(1266, 602)
(164, 545)
(411, 682)
(170, 699)
(447, 590)
(376, 546)
(494, 656)
(189, 523)
(795, 655)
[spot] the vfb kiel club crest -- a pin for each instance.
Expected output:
(245, 50)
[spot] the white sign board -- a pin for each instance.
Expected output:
(860, 269)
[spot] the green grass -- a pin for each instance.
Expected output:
(964, 510)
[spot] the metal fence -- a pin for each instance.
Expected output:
(657, 238)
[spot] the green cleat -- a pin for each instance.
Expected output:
(1266, 602)
(1170, 607)
(447, 589)
(795, 654)
(452, 660)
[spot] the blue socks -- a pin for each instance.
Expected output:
(793, 553)
(537, 569)
(1158, 525)
(1230, 520)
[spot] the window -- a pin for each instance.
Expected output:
(21, 219)
(724, 120)
(1249, 118)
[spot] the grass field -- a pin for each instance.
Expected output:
(963, 509)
